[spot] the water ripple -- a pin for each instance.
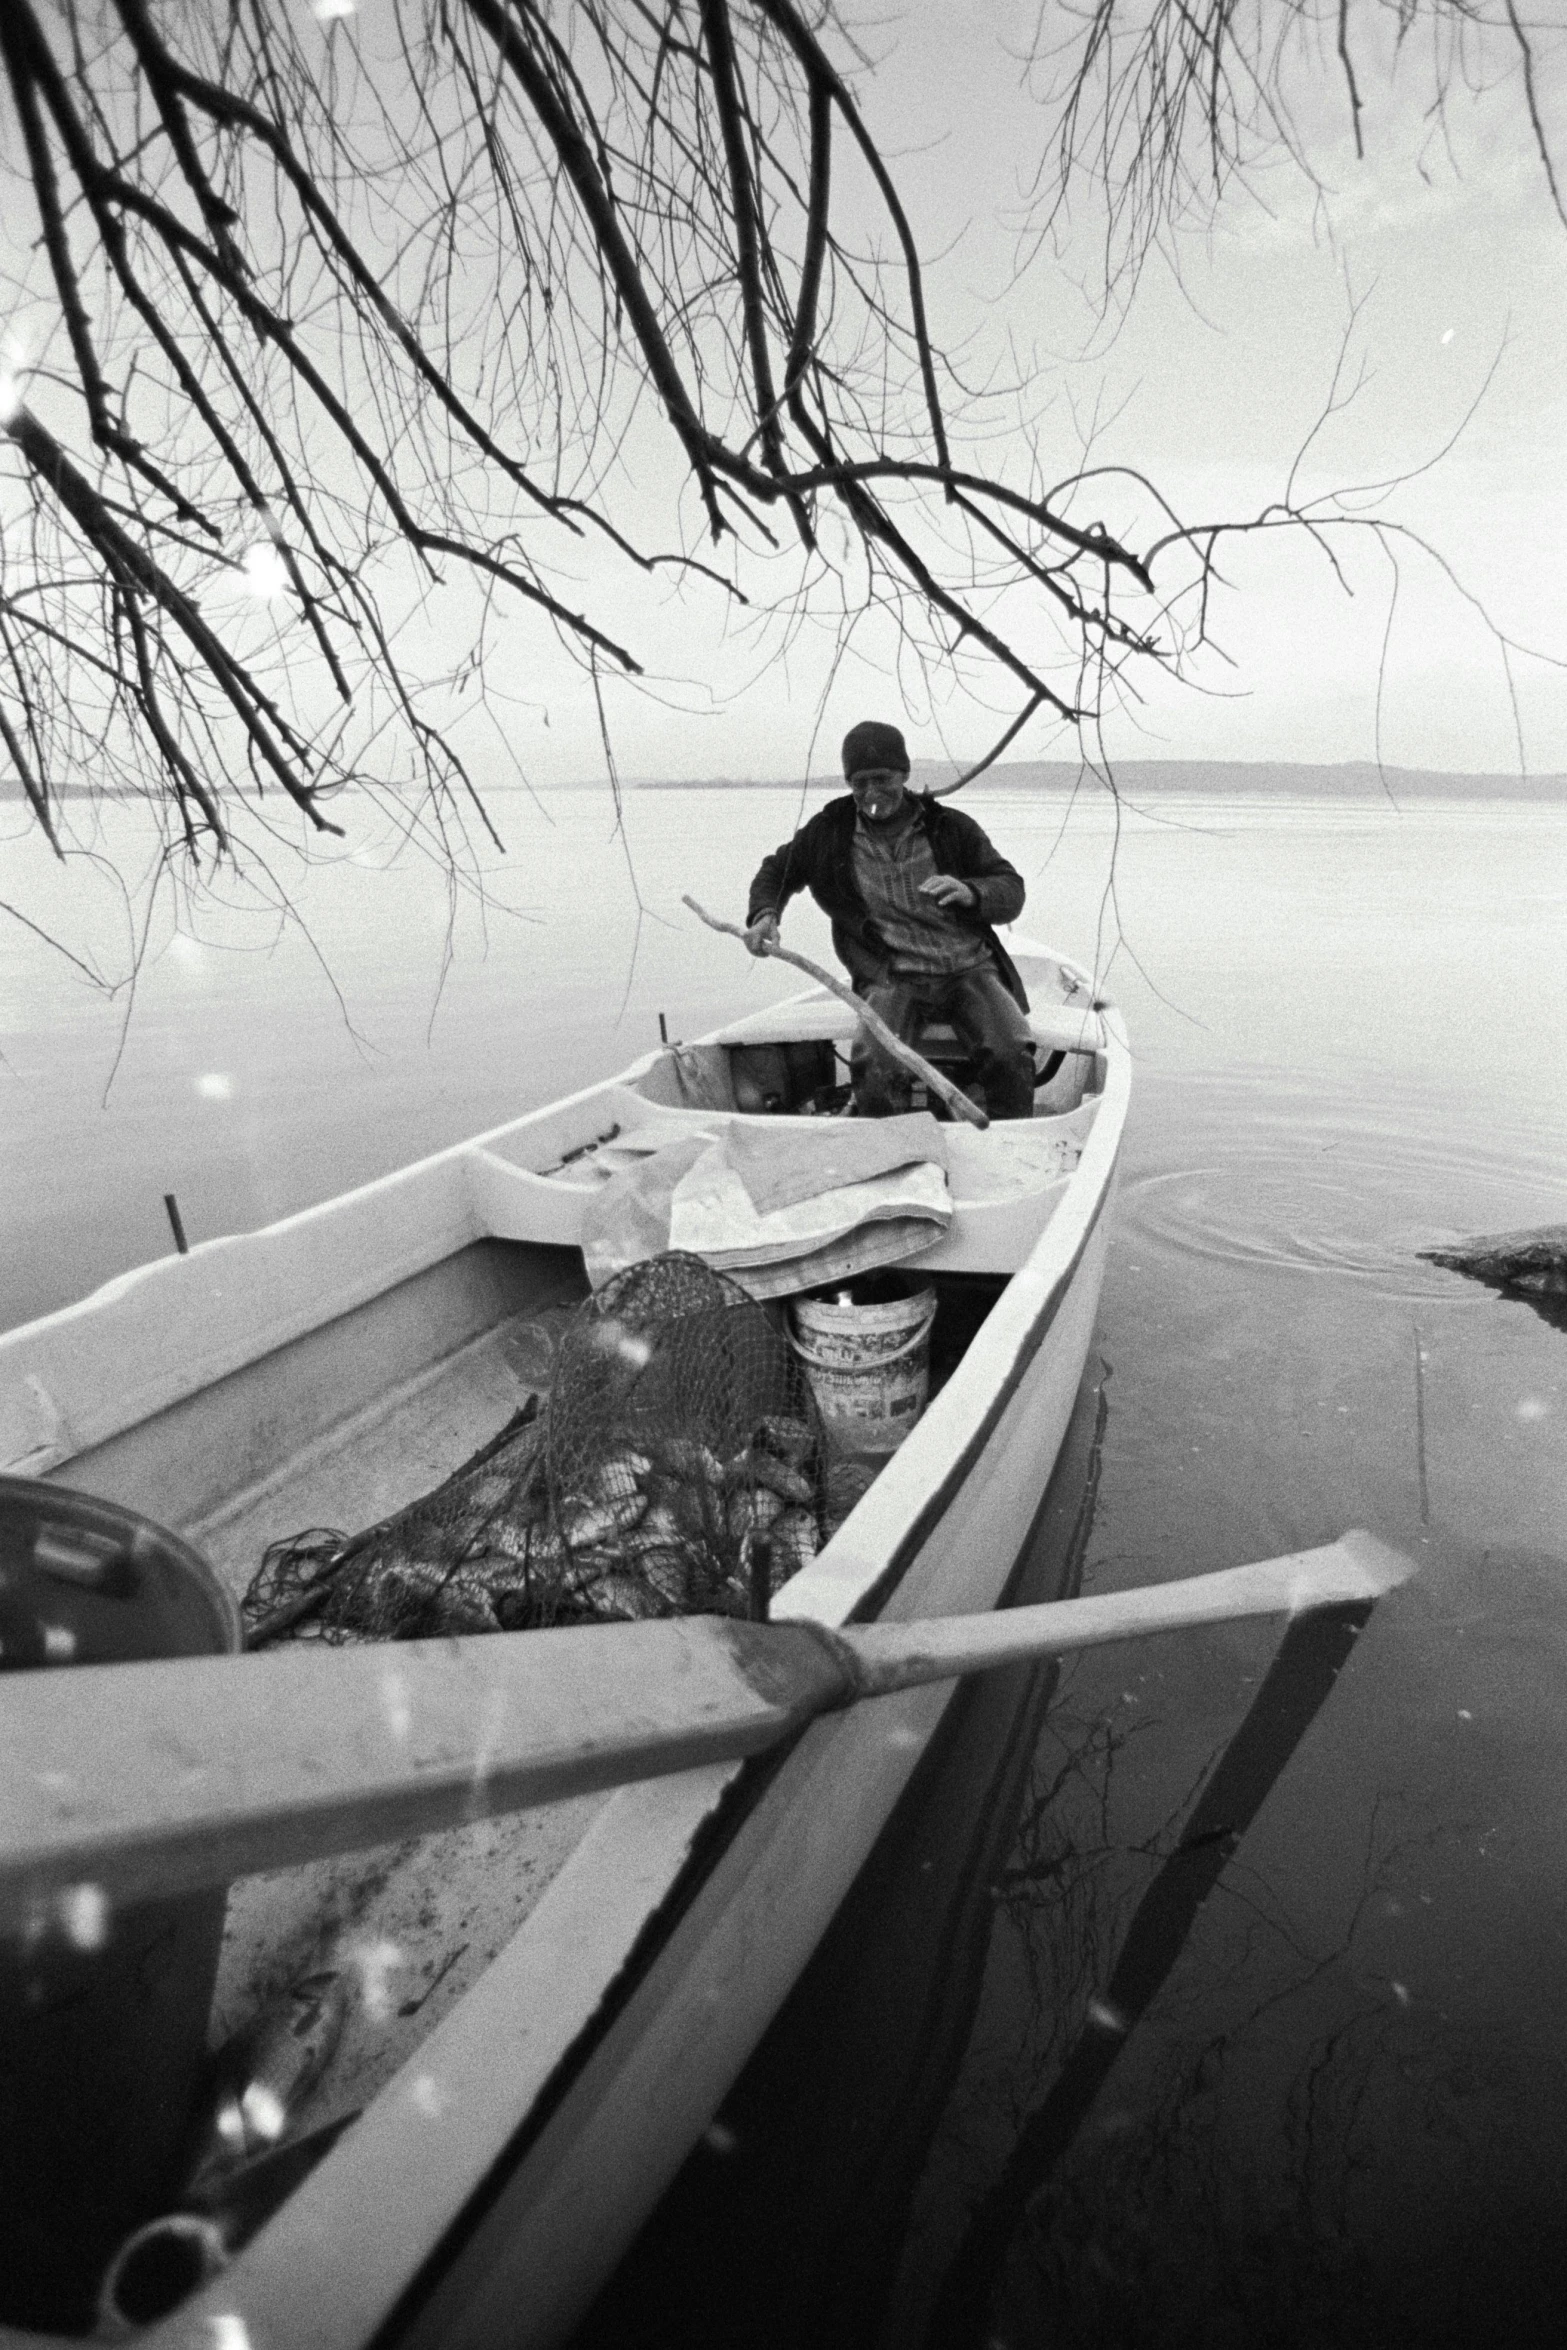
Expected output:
(1358, 1201)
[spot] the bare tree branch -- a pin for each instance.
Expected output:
(351, 320)
(1157, 105)
(336, 330)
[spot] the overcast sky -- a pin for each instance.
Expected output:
(1209, 381)
(1207, 375)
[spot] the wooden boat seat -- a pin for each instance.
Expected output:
(1003, 1181)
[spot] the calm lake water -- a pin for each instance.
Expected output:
(1059, 2076)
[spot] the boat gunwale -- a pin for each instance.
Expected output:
(1036, 1293)
(83, 1423)
(757, 1770)
(890, 1526)
(742, 1788)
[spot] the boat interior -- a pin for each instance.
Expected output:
(788, 1064)
(334, 1402)
(405, 1434)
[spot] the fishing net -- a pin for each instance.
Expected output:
(677, 1467)
(433, 1568)
(683, 1450)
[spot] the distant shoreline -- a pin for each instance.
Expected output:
(1135, 779)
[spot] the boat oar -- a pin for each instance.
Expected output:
(123, 1781)
(956, 1101)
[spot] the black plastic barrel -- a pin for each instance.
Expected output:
(103, 2011)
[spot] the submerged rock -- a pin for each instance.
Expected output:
(1531, 1266)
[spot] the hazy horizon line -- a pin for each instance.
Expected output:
(1341, 776)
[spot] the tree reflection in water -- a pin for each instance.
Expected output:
(1219, 2171)
(785, 2227)
(1110, 2043)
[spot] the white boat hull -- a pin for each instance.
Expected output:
(674, 2049)
(488, 2188)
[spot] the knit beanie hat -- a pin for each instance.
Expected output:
(871, 744)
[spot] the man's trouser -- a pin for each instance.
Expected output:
(988, 1023)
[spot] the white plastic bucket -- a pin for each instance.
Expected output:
(867, 1357)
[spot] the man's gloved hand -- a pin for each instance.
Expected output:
(947, 890)
(763, 933)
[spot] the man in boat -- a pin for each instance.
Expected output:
(913, 890)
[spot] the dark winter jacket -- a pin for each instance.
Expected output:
(820, 858)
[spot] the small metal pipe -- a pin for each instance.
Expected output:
(155, 2269)
(171, 2256)
(173, 1206)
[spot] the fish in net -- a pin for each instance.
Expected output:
(676, 1468)
(432, 1569)
(683, 1451)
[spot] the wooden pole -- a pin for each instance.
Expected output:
(869, 1020)
(143, 1779)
